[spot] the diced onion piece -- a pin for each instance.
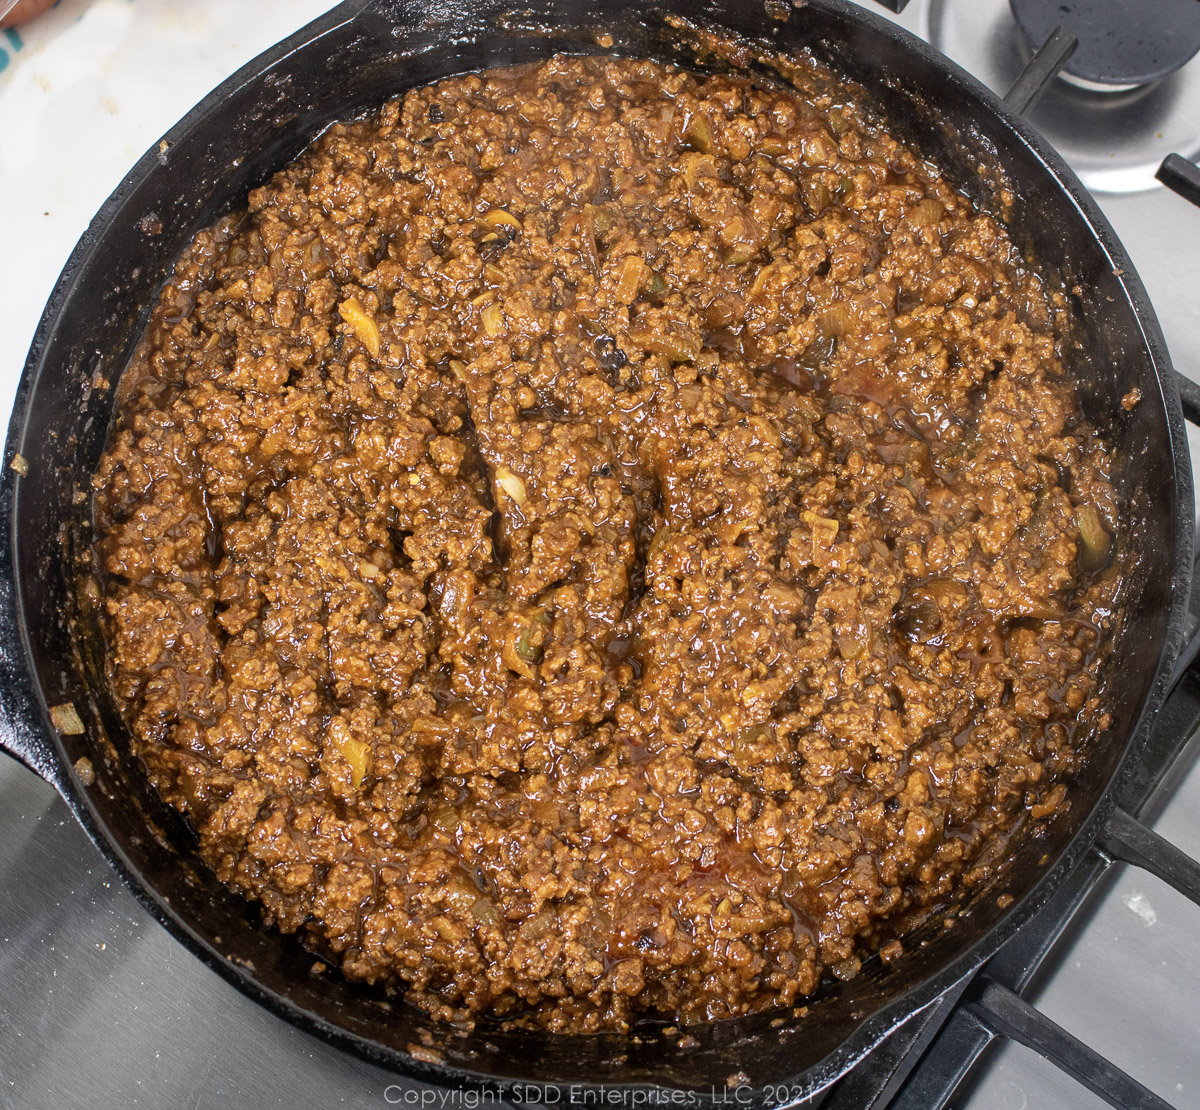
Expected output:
(897, 453)
(824, 528)
(774, 145)
(852, 642)
(783, 598)
(928, 213)
(485, 912)
(511, 484)
(729, 533)
(630, 278)
(863, 380)
(699, 134)
(356, 753)
(817, 196)
(847, 969)
(426, 727)
(1096, 541)
(799, 468)
(946, 588)
(835, 320)
(541, 922)
(819, 149)
(680, 345)
(65, 718)
(314, 255)
(492, 318)
(658, 542)
(362, 324)
(918, 620)
(497, 217)
(695, 166)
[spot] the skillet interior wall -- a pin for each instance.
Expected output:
(234, 142)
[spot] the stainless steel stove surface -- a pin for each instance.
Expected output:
(99, 1007)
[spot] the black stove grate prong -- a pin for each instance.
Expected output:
(1131, 842)
(1181, 176)
(1045, 65)
(1006, 1013)
(1170, 751)
(875, 1083)
(932, 1084)
(1189, 391)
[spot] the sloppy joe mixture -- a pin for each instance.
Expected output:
(594, 542)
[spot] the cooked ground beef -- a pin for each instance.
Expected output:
(595, 541)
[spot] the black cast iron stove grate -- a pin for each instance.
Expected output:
(929, 1059)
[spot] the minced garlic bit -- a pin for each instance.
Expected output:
(362, 324)
(492, 319)
(511, 484)
(84, 770)
(497, 217)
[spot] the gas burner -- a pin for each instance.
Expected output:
(1121, 45)
(1113, 139)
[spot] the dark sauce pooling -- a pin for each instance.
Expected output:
(595, 541)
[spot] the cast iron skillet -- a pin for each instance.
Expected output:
(345, 62)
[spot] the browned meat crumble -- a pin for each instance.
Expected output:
(594, 541)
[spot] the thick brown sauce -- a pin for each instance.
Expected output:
(593, 541)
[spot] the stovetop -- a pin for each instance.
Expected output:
(99, 1007)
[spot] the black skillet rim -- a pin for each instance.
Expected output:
(28, 733)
